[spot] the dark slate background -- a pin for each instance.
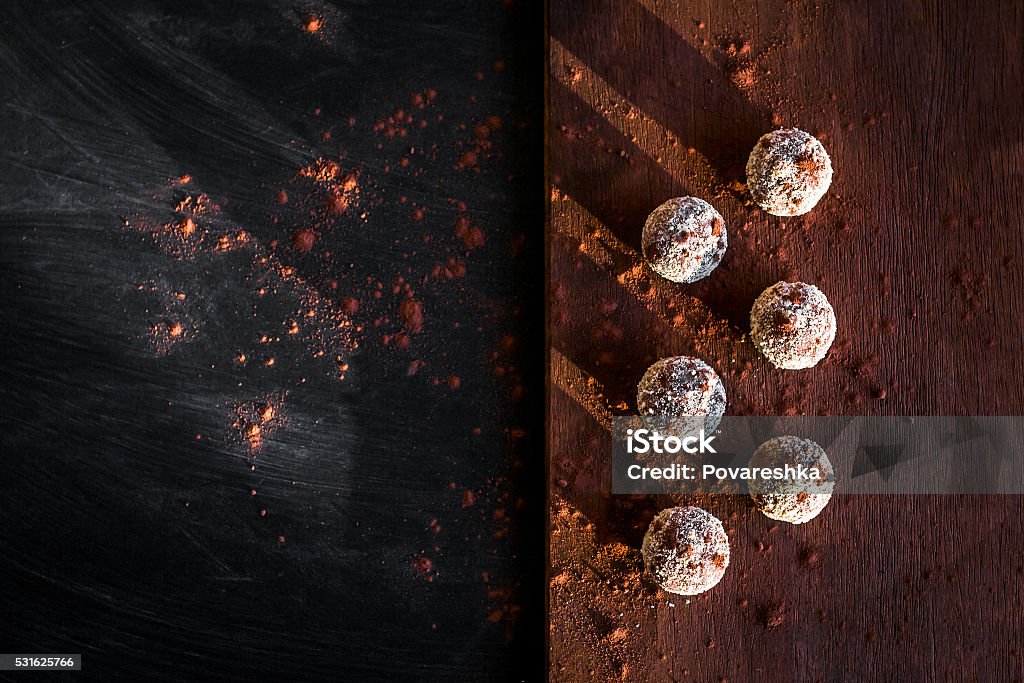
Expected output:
(131, 541)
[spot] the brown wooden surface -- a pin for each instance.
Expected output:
(919, 247)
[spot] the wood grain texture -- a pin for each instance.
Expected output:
(918, 246)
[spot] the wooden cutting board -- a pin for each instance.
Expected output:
(919, 248)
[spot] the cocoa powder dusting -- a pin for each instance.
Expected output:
(311, 312)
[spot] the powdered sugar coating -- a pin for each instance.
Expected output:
(681, 387)
(788, 172)
(793, 501)
(686, 550)
(793, 325)
(684, 239)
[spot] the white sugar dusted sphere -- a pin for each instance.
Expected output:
(686, 550)
(684, 239)
(793, 325)
(788, 172)
(674, 389)
(792, 500)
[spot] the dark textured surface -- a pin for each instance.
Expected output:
(133, 541)
(917, 245)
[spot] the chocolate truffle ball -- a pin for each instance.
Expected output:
(793, 325)
(792, 500)
(684, 239)
(686, 550)
(684, 392)
(788, 172)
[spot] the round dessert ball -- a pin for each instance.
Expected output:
(788, 172)
(792, 500)
(683, 391)
(793, 325)
(684, 239)
(686, 550)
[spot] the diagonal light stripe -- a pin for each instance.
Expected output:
(680, 24)
(581, 387)
(596, 241)
(709, 334)
(688, 166)
(664, 299)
